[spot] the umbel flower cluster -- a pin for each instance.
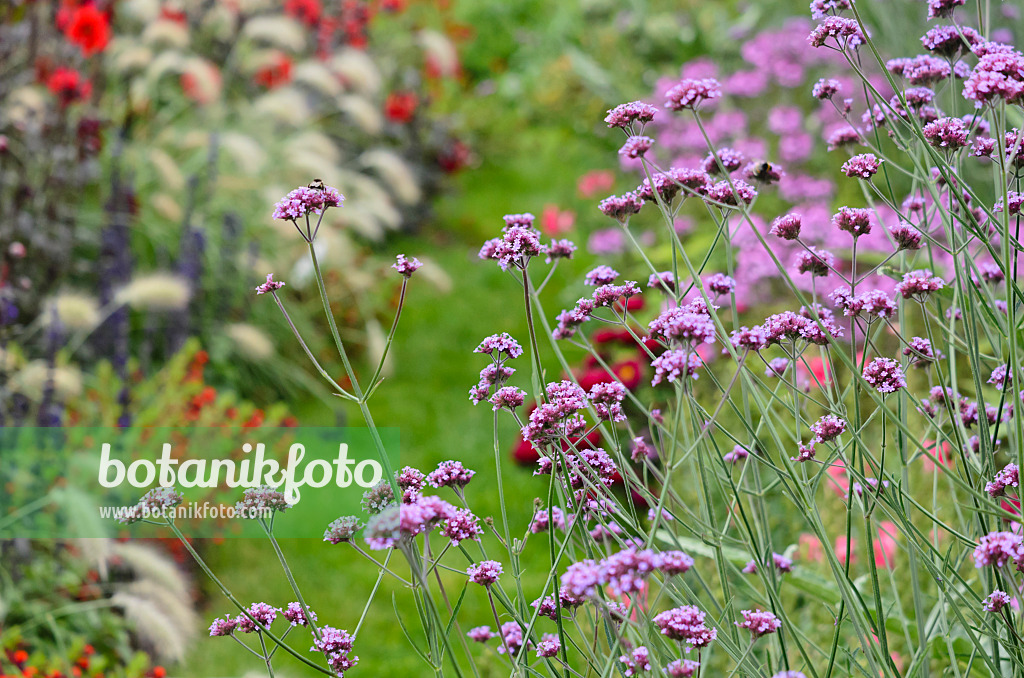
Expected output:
(755, 503)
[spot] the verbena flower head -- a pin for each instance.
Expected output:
(262, 613)
(341, 530)
(481, 634)
(948, 133)
(638, 661)
(829, 427)
(459, 525)
(607, 397)
(378, 497)
(787, 227)
(261, 500)
(336, 646)
(675, 364)
(684, 326)
(672, 563)
(845, 32)
(296, 616)
(406, 267)
(602, 275)
(305, 200)
(736, 455)
(998, 549)
(624, 115)
(997, 76)
(919, 284)
(725, 160)
(855, 221)
(500, 346)
(665, 281)
(686, 624)
(719, 283)
(826, 88)
(943, 8)
(542, 520)
(920, 351)
(759, 623)
(560, 249)
(223, 627)
(731, 193)
(270, 286)
(1009, 476)
(752, 338)
(906, 236)
(691, 93)
(508, 398)
(549, 646)
(620, 207)
(450, 474)
(950, 41)
(582, 579)
(863, 166)
(996, 601)
(804, 452)
(885, 374)
(636, 147)
(485, 572)
(682, 668)
(818, 263)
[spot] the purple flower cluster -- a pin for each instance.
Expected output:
(485, 572)
(686, 624)
(623, 572)
(675, 364)
(948, 133)
(906, 236)
(1009, 476)
(996, 601)
(624, 115)
(846, 32)
(602, 275)
(998, 75)
(863, 166)
(270, 286)
(682, 668)
(885, 375)
(818, 263)
(341, 530)
(295, 615)
(607, 398)
(787, 227)
(855, 221)
(998, 549)
(919, 284)
(450, 474)
(336, 646)
(688, 325)
(258, 613)
(691, 93)
(304, 201)
(406, 267)
(829, 427)
(638, 661)
(636, 147)
(759, 623)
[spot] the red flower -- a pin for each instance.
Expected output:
(277, 72)
(68, 86)
(400, 106)
(89, 29)
(306, 11)
(554, 221)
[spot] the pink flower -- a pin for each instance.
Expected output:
(554, 221)
(885, 545)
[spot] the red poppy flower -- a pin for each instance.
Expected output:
(400, 106)
(68, 86)
(88, 28)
